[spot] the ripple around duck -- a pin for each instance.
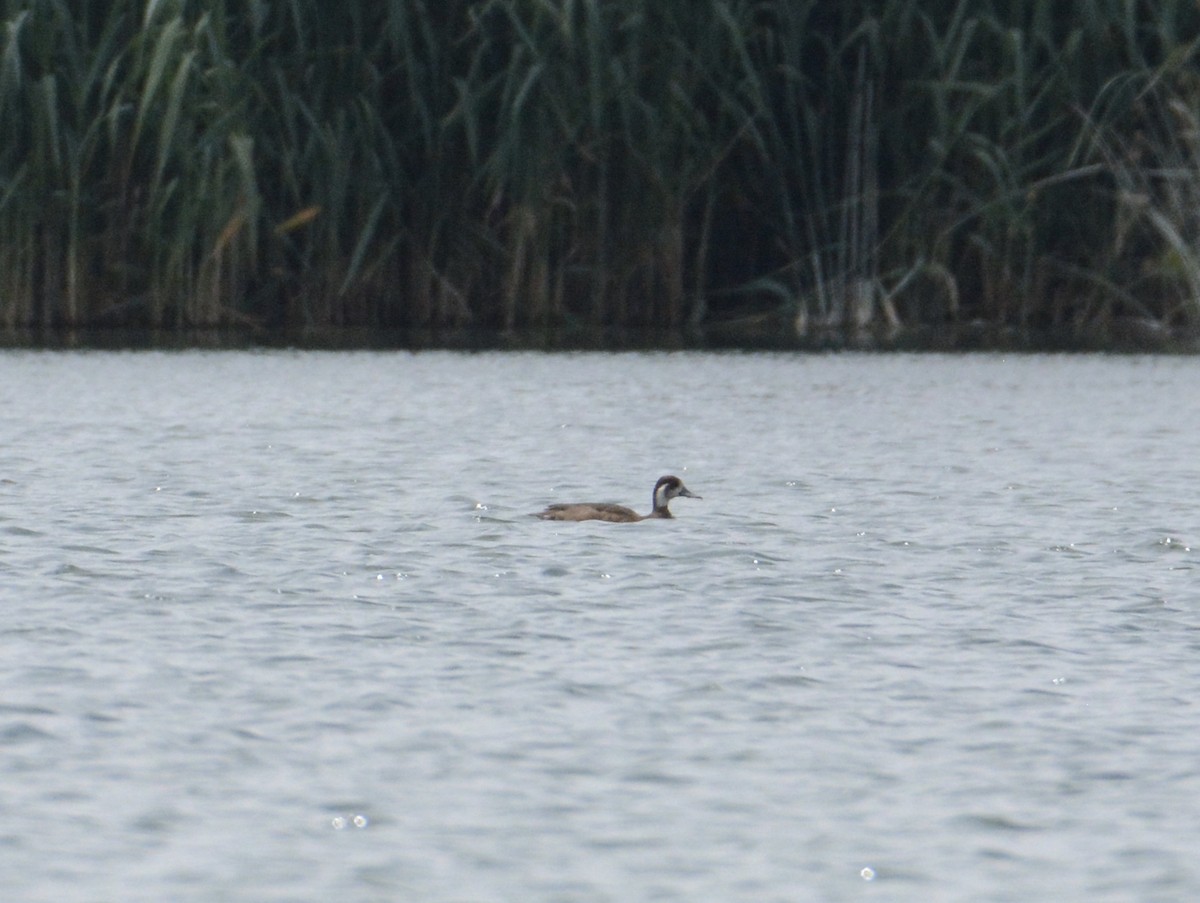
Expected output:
(18, 530)
(22, 732)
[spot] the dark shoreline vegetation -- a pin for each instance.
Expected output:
(546, 173)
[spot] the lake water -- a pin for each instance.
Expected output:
(278, 627)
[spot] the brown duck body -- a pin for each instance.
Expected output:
(665, 489)
(616, 514)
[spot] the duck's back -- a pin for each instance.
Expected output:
(617, 514)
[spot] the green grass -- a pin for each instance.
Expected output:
(508, 164)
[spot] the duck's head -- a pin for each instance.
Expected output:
(668, 488)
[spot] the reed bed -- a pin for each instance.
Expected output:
(508, 164)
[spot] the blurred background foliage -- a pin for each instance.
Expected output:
(508, 164)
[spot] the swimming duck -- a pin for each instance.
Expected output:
(665, 489)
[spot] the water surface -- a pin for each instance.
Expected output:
(277, 626)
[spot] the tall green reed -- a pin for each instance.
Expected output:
(514, 163)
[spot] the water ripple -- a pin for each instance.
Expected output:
(930, 634)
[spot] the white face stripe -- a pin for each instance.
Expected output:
(664, 492)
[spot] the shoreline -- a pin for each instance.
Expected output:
(1120, 336)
